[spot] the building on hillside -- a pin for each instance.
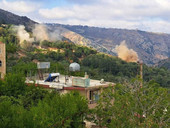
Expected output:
(2, 60)
(89, 88)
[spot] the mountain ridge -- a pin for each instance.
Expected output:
(151, 47)
(11, 18)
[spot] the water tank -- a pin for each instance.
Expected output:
(74, 67)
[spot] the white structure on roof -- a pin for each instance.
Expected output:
(55, 74)
(43, 65)
(74, 67)
(70, 82)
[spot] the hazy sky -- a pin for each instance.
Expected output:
(148, 15)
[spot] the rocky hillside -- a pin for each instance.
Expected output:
(151, 47)
(164, 63)
(10, 18)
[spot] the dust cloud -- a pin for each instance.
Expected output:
(126, 54)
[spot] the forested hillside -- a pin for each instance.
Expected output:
(151, 47)
(164, 63)
(62, 53)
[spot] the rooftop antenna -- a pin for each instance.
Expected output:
(66, 74)
(141, 74)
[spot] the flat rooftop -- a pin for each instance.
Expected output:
(63, 83)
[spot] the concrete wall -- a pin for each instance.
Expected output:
(81, 82)
(2, 60)
(82, 92)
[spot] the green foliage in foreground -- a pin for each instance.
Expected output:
(129, 106)
(33, 107)
(124, 105)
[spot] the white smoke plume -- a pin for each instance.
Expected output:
(55, 35)
(128, 55)
(41, 32)
(23, 34)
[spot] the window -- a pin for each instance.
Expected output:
(0, 63)
(94, 95)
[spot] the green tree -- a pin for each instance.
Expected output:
(130, 106)
(13, 85)
(12, 114)
(60, 111)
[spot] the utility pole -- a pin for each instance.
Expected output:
(141, 74)
(140, 63)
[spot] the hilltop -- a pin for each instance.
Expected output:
(10, 18)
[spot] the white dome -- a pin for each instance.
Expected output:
(74, 67)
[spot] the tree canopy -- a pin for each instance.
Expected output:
(129, 105)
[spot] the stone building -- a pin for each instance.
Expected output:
(2, 60)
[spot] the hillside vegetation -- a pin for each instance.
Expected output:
(151, 47)
(35, 107)
(62, 53)
(32, 107)
(164, 63)
(29, 106)
(10, 18)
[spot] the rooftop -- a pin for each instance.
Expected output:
(62, 83)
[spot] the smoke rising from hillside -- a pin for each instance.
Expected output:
(23, 34)
(128, 55)
(40, 33)
(55, 35)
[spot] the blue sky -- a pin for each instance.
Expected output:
(148, 15)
